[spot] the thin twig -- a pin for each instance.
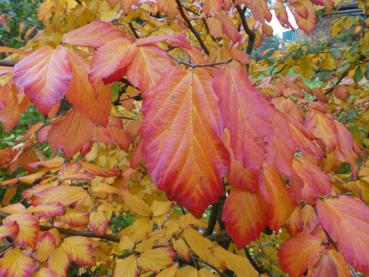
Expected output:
(133, 30)
(192, 29)
(70, 232)
(250, 33)
(178, 61)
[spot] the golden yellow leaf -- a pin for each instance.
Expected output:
(136, 204)
(202, 247)
(126, 267)
(241, 266)
(156, 259)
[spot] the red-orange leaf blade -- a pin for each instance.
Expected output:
(182, 145)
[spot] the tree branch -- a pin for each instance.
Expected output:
(209, 265)
(250, 33)
(70, 232)
(178, 61)
(192, 29)
(7, 63)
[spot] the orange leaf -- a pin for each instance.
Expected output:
(44, 76)
(91, 100)
(16, 263)
(347, 222)
(110, 61)
(12, 106)
(299, 254)
(244, 216)
(148, 66)
(181, 129)
(71, 133)
(94, 34)
(277, 197)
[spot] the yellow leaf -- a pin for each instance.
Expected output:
(28, 229)
(126, 267)
(204, 272)
(188, 220)
(139, 229)
(16, 263)
(125, 243)
(187, 271)
(238, 264)
(136, 204)
(46, 243)
(160, 208)
(168, 272)
(156, 259)
(202, 248)
(182, 249)
(58, 261)
(80, 250)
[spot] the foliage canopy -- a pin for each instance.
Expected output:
(174, 151)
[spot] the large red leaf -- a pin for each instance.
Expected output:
(258, 132)
(110, 61)
(91, 100)
(347, 222)
(94, 34)
(44, 76)
(181, 139)
(312, 181)
(244, 216)
(148, 66)
(71, 133)
(299, 254)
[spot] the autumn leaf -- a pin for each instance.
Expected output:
(345, 217)
(126, 267)
(94, 34)
(300, 253)
(190, 134)
(72, 125)
(244, 216)
(16, 263)
(92, 100)
(44, 76)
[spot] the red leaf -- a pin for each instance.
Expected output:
(44, 76)
(181, 139)
(299, 254)
(70, 133)
(347, 222)
(314, 181)
(94, 34)
(110, 61)
(244, 216)
(175, 40)
(331, 264)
